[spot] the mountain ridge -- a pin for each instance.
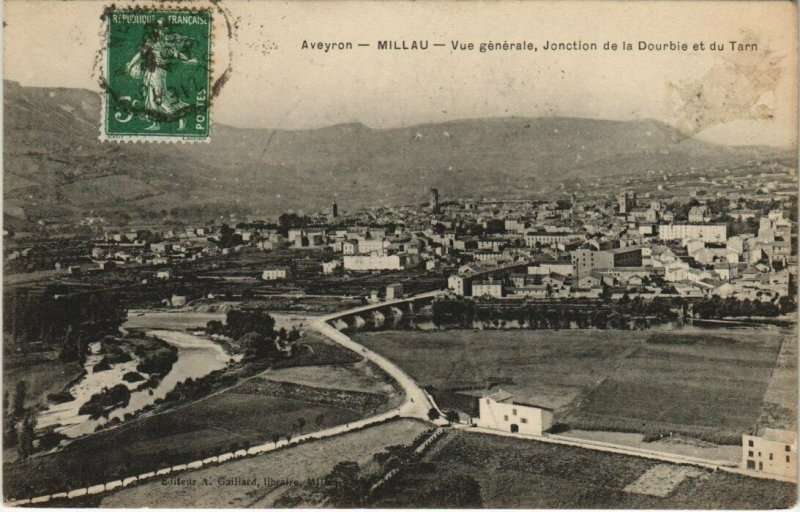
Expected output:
(55, 165)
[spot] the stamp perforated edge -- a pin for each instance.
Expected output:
(103, 66)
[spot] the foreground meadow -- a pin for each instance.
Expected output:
(505, 472)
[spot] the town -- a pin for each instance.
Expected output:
(648, 315)
(730, 236)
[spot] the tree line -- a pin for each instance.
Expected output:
(717, 307)
(624, 314)
(68, 321)
(254, 330)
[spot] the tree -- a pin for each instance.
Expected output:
(452, 416)
(344, 485)
(301, 422)
(786, 304)
(19, 398)
(240, 322)
(228, 237)
(319, 419)
(276, 438)
(26, 436)
(289, 221)
(606, 293)
(257, 345)
(433, 414)
(9, 432)
(215, 327)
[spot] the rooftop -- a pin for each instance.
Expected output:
(782, 436)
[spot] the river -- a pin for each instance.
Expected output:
(197, 357)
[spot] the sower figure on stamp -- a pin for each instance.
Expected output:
(152, 65)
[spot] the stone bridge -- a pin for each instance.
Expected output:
(377, 314)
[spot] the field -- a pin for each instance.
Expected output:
(171, 320)
(515, 473)
(203, 429)
(548, 368)
(309, 460)
(705, 383)
(362, 376)
(709, 389)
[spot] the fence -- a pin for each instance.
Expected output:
(209, 461)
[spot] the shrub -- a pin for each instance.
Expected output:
(50, 440)
(102, 366)
(160, 362)
(60, 397)
(108, 399)
(132, 377)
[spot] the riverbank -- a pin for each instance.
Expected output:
(127, 376)
(233, 410)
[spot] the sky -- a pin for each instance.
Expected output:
(724, 97)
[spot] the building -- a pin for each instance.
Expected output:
(334, 210)
(273, 274)
(160, 248)
(394, 291)
(178, 301)
(491, 288)
(586, 260)
(499, 412)
(164, 273)
(708, 256)
(717, 233)
(350, 247)
(699, 214)
(461, 285)
(373, 262)
(542, 237)
(434, 203)
(370, 245)
(492, 244)
(546, 268)
(774, 452)
(329, 267)
(627, 201)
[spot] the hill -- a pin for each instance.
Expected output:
(56, 168)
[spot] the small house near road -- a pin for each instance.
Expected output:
(774, 452)
(499, 412)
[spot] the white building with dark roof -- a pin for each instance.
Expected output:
(499, 412)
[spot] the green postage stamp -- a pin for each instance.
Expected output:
(157, 75)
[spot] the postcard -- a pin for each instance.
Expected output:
(374, 254)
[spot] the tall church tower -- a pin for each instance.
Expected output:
(434, 203)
